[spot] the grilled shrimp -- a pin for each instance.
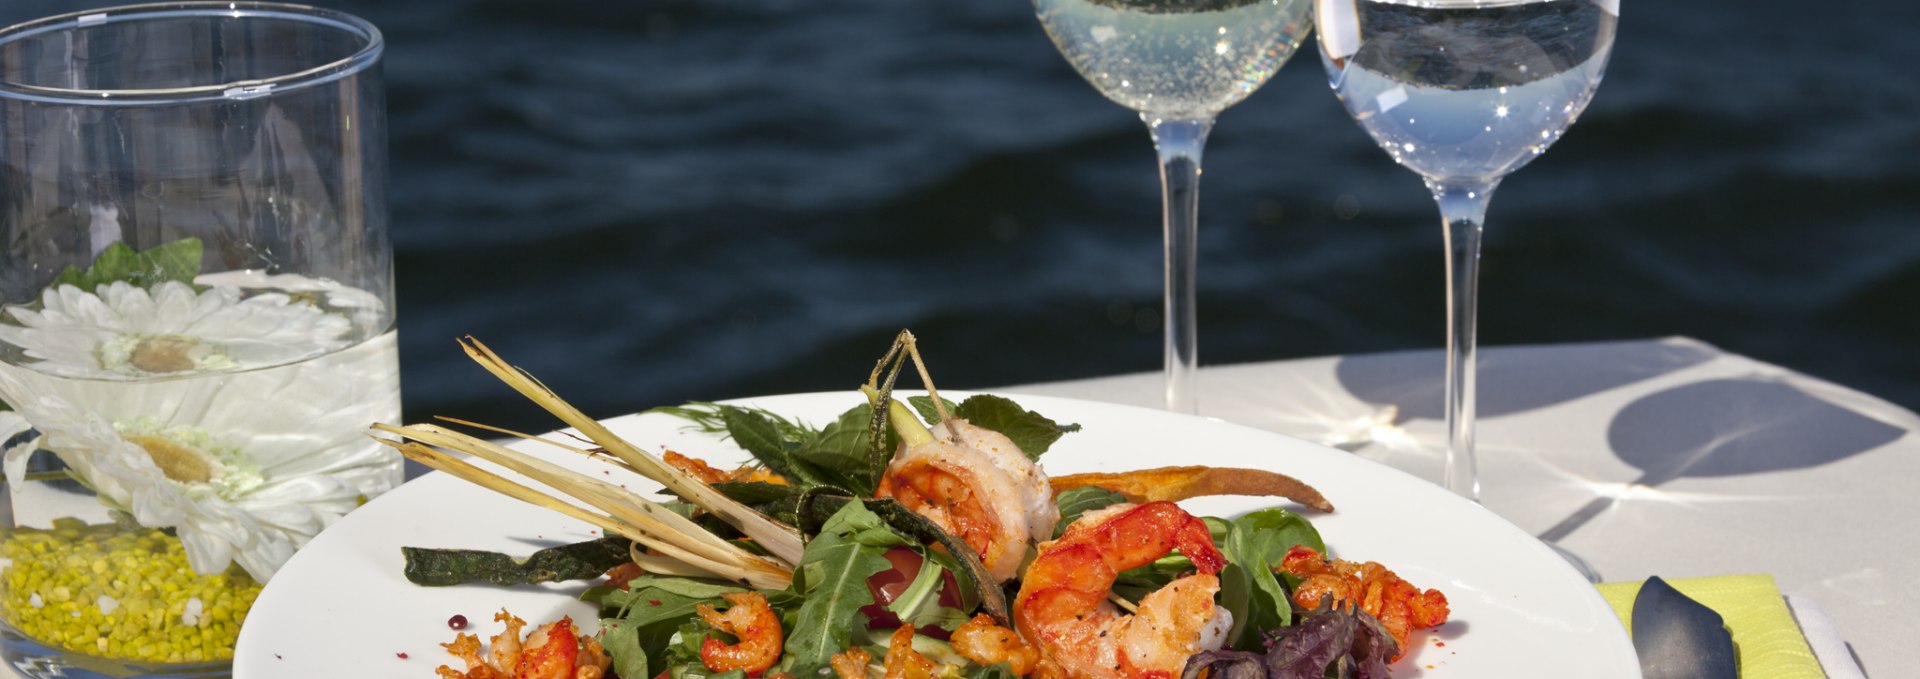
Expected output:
(902, 661)
(986, 643)
(753, 622)
(851, 663)
(1062, 606)
(1036, 493)
(980, 488)
(551, 652)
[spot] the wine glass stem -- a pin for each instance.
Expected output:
(1179, 143)
(1463, 208)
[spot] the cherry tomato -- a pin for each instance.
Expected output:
(888, 585)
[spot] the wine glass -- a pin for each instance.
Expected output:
(1178, 63)
(1464, 92)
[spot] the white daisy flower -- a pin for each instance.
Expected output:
(122, 332)
(245, 467)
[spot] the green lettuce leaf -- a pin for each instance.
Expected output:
(919, 606)
(1257, 542)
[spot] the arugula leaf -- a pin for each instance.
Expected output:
(647, 615)
(1257, 542)
(621, 640)
(1076, 501)
(683, 654)
(578, 561)
(172, 261)
(832, 575)
(977, 586)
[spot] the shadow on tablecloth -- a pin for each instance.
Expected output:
(1514, 379)
(1729, 427)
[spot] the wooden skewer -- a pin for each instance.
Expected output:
(782, 541)
(678, 541)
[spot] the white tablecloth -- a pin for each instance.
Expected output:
(1661, 457)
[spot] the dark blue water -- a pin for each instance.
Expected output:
(649, 202)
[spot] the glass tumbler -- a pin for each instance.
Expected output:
(196, 321)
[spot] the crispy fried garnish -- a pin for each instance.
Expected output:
(757, 475)
(902, 661)
(552, 651)
(466, 647)
(695, 466)
(985, 642)
(1179, 483)
(711, 474)
(851, 664)
(1399, 606)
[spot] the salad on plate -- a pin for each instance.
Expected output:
(910, 537)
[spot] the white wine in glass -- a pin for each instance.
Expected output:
(1178, 63)
(1464, 92)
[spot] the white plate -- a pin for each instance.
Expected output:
(341, 608)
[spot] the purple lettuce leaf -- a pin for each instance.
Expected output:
(1225, 664)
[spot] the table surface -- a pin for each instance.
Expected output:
(1664, 457)
(1661, 457)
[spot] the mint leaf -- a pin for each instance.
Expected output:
(762, 438)
(1033, 432)
(173, 261)
(924, 406)
(842, 453)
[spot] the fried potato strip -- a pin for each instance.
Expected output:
(1179, 483)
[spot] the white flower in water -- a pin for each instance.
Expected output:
(245, 467)
(121, 331)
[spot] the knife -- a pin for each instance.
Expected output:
(1678, 638)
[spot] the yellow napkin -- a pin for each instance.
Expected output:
(1765, 637)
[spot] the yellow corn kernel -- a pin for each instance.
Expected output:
(146, 575)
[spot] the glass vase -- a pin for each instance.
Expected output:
(196, 321)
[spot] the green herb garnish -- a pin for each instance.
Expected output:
(578, 561)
